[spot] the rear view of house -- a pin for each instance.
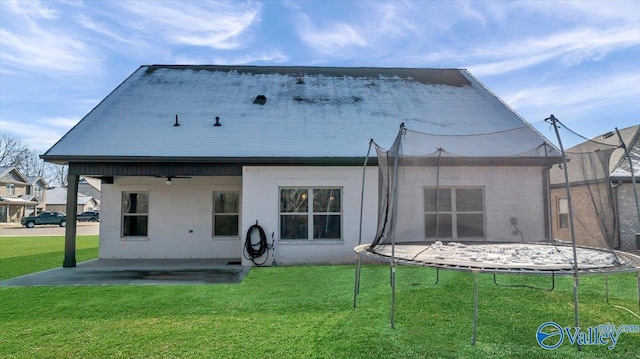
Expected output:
(191, 157)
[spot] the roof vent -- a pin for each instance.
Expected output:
(217, 121)
(300, 80)
(608, 134)
(260, 99)
(176, 124)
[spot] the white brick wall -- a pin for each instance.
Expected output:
(261, 200)
(173, 212)
(508, 192)
(180, 218)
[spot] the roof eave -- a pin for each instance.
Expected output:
(300, 161)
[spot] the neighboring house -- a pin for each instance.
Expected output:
(618, 217)
(190, 157)
(57, 201)
(38, 190)
(15, 198)
(90, 186)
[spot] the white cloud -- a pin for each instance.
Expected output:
(46, 50)
(218, 25)
(467, 10)
(331, 40)
(61, 122)
(39, 135)
(33, 9)
(273, 56)
(31, 39)
(88, 23)
(568, 48)
(375, 27)
(594, 12)
(608, 89)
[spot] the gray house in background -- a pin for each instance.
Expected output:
(621, 176)
(38, 192)
(619, 218)
(17, 198)
(90, 186)
(57, 201)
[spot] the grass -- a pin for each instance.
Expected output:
(23, 255)
(307, 312)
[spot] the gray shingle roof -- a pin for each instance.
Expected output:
(309, 112)
(58, 195)
(578, 165)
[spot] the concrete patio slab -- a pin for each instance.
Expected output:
(137, 272)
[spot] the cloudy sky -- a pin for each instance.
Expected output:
(576, 60)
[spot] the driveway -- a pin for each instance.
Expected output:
(82, 229)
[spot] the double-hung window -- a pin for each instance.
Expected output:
(563, 212)
(135, 214)
(38, 191)
(454, 212)
(226, 213)
(11, 189)
(310, 213)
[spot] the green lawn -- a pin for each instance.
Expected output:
(23, 255)
(307, 312)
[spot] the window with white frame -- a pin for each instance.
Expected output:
(563, 212)
(226, 214)
(454, 212)
(38, 191)
(11, 189)
(310, 213)
(135, 214)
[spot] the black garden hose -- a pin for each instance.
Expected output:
(254, 251)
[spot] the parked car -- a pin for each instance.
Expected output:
(45, 218)
(89, 216)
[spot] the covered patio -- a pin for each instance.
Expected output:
(137, 272)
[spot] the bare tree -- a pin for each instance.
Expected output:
(32, 165)
(12, 151)
(59, 175)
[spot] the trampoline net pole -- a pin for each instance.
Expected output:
(394, 218)
(633, 175)
(364, 173)
(393, 296)
(356, 286)
(554, 122)
(606, 287)
(475, 308)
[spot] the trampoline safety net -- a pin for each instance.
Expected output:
(508, 187)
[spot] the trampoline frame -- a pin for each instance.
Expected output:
(364, 250)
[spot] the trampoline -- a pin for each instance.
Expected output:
(466, 202)
(517, 258)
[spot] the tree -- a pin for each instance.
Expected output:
(12, 151)
(59, 177)
(32, 165)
